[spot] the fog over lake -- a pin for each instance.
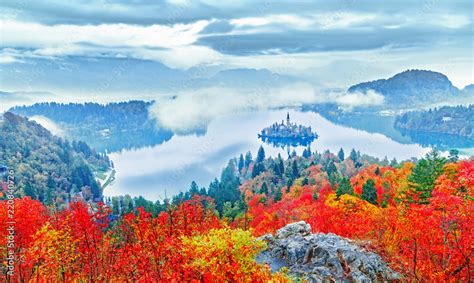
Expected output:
(165, 169)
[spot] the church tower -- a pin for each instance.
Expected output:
(288, 119)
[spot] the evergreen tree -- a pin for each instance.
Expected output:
(248, 158)
(294, 170)
(194, 189)
(307, 152)
(241, 162)
(264, 189)
(369, 193)
(257, 169)
(260, 155)
(394, 162)
(277, 196)
(30, 191)
(276, 169)
(353, 156)
(344, 187)
(331, 171)
(340, 154)
(115, 206)
(424, 175)
(281, 165)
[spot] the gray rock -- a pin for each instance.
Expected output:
(322, 257)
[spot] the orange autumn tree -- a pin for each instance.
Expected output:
(226, 255)
(429, 241)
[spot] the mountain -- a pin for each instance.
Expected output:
(468, 90)
(249, 78)
(411, 88)
(98, 76)
(47, 167)
(106, 127)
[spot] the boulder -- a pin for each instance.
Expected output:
(322, 257)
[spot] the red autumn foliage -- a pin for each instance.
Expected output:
(425, 242)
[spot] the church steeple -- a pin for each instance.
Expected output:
(288, 118)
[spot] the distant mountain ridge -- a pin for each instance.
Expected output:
(411, 88)
(109, 75)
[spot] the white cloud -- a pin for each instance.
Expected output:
(333, 20)
(182, 57)
(48, 124)
(34, 35)
(191, 110)
(453, 21)
(350, 100)
(172, 45)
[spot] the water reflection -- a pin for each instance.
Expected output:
(170, 167)
(288, 143)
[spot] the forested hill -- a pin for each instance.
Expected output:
(411, 88)
(458, 120)
(111, 127)
(48, 168)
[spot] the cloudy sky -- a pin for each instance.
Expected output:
(331, 43)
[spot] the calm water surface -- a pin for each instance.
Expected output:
(165, 169)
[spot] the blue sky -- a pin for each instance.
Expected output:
(331, 43)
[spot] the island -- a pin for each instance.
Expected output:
(287, 134)
(288, 130)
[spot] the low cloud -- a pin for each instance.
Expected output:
(191, 111)
(358, 99)
(48, 124)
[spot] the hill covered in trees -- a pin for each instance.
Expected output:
(456, 121)
(111, 127)
(411, 88)
(48, 168)
(416, 214)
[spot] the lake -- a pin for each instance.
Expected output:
(165, 169)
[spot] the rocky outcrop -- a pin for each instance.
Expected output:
(322, 257)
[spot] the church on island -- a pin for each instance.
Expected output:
(288, 130)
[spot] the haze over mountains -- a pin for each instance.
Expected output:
(101, 75)
(186, 101)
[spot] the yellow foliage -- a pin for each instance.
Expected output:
(227, 253)
(348, 203)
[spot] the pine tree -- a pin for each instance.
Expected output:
(340, 154)
(241, 162)
(193, 189)
(257, 169)
(307, 152)
(353, 156)
(281, 164)
(248, 158)
(344, 187)
(294, 170)
(425, 174)
(394, 162)
(260, 155)
(369, 193)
